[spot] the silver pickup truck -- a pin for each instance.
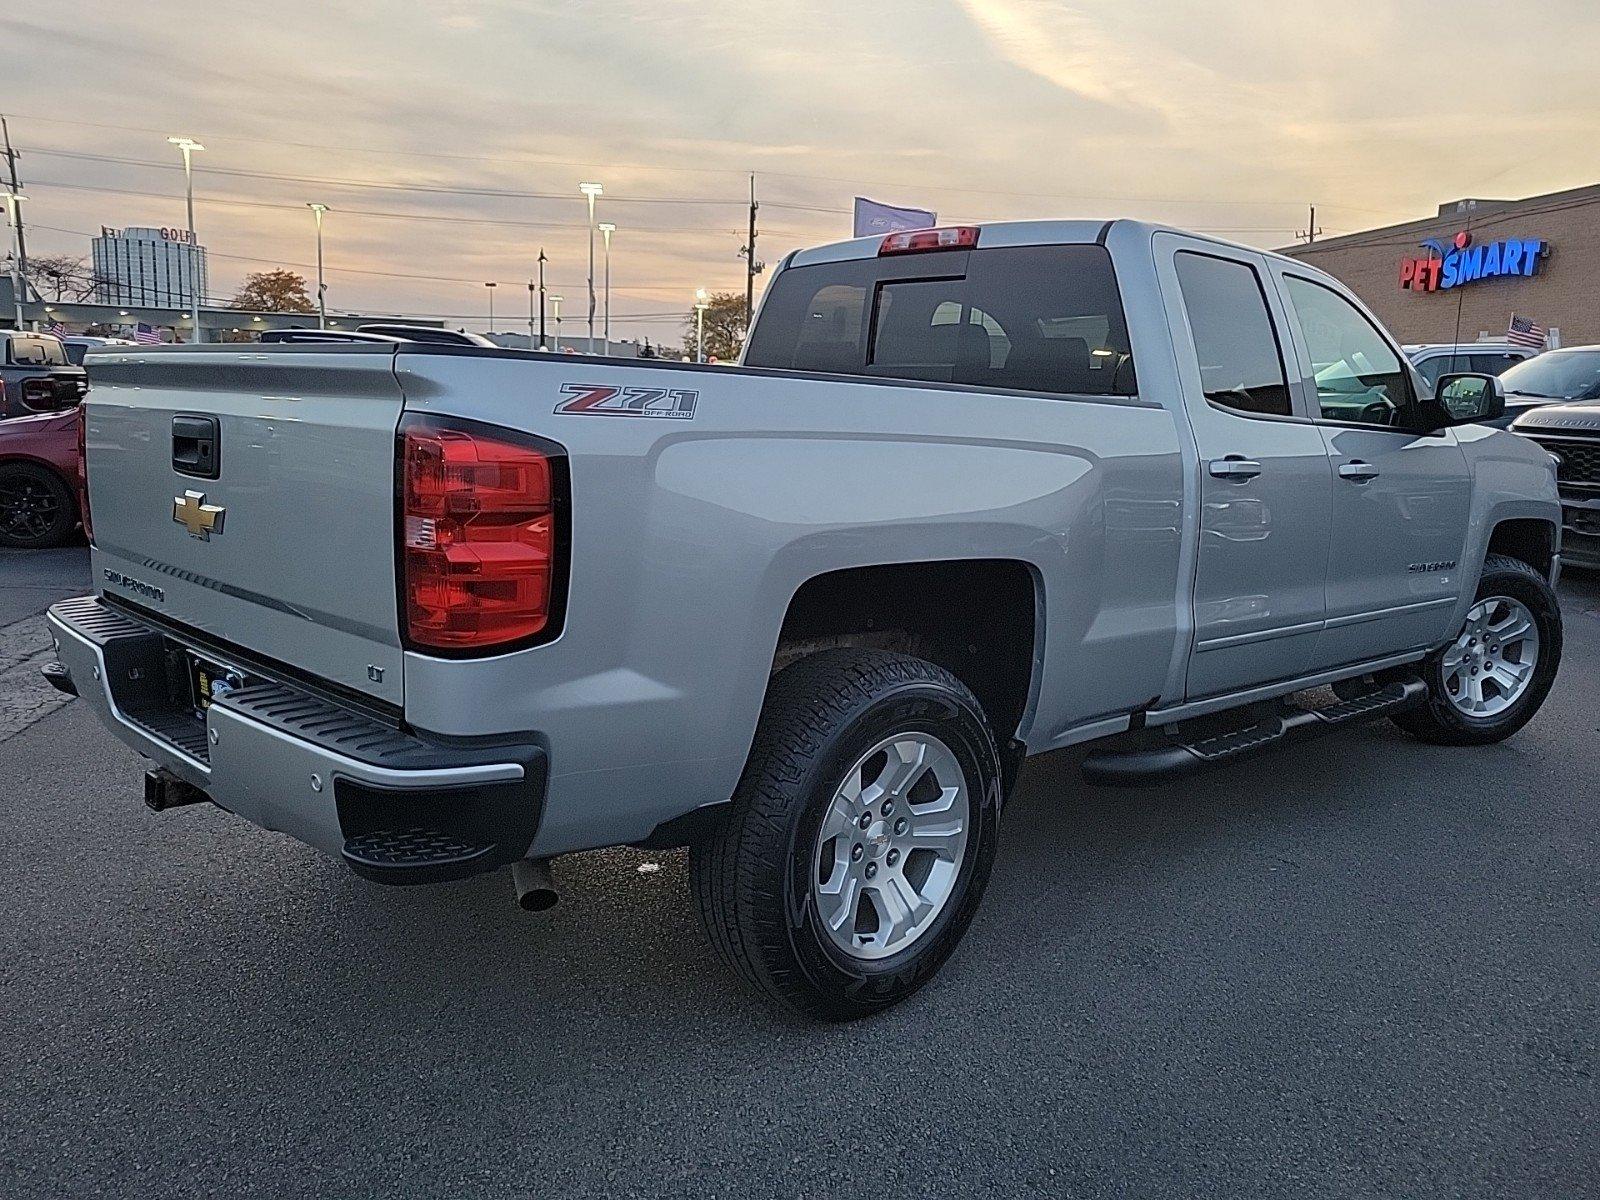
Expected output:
(973, 493)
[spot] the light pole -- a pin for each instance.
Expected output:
(188, 145)
(700, 305)
(591, 190)
(533, 291)
(490, 286)
(14, 219)
(322, 288)
(606, 230)
(556, 301)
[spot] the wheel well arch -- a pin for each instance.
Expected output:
(980, 619)
(1530, 539)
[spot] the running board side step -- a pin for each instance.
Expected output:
(1157, 764)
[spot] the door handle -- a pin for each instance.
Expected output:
(1357, 471)
(1234, 467)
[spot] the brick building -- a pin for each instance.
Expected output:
(1538, 258)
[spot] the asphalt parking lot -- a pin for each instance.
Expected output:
(1364, 967)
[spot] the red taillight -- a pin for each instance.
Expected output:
(83, 472)
(478, 535)
(914, 241)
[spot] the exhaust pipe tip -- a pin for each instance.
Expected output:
(536, 890)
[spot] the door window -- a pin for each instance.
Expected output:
(1241, 366)
(1360, 378)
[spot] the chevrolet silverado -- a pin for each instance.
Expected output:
(971, 494)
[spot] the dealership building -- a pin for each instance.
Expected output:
(148, 267)
(1475, 265)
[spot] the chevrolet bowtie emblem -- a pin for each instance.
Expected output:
(201, 519)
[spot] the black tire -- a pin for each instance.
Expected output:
(1439, 721)
(36, 508)
(751, 878)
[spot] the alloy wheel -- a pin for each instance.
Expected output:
(890, 849)
(1489, 667)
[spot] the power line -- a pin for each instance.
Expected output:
(375, 185)
(367, 212)
(336, 270)
(909, 185)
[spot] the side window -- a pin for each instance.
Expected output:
(1431, 368)
(1493, 362)
(1359, 378)
(1240, 364)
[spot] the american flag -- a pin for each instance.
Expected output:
(146, 335)
(1524, 332)
(57, 328)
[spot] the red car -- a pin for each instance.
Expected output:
(40, 479)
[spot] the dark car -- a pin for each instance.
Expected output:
(1555, 377)
(40, 479)
(36, 375)
(1571, 433)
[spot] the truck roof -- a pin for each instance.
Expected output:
(1015, 233)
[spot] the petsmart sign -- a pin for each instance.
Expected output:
(1461, 262)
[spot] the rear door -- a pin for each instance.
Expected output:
(1401, 500)
(250, 496)
(1265, 481)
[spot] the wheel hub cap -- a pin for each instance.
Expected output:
(890, 848)
(1491, 664)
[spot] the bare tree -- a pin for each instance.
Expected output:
(67, 275)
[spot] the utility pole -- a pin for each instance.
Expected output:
(16, 188)
(752, 267)
(1310, 232)
(542, 261)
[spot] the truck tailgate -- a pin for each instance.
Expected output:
(281, 541)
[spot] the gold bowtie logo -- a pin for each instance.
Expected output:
(201, 519)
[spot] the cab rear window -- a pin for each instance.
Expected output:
(1017, 318)
(38, 351)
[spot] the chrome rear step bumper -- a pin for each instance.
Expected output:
(398, 807)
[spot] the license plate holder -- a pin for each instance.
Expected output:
(209, 680)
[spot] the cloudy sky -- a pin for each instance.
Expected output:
(449, 137)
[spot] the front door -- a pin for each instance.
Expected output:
(1401, 500)
(1265, 478)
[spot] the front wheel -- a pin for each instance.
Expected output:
(860, 838)
(1487, 683)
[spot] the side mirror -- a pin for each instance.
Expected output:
(1468, 398)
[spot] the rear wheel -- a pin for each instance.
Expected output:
(1490, 680)
(860, 838)
(36, 509)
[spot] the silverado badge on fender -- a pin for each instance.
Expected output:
(201, 519)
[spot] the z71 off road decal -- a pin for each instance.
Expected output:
(595, 400)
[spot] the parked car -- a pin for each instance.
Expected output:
(40, 479)
(79, 345)
(1564, 376)
(973, 493)
(1571, 434)
(36, 375)
(1487, 358)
